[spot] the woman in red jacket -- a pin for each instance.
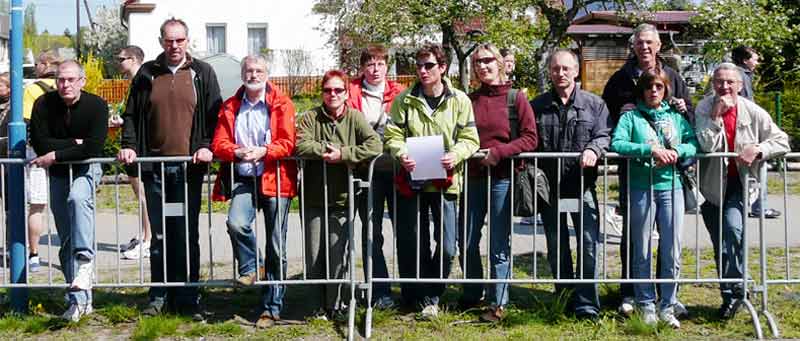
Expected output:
(254, 132)
(501, 135)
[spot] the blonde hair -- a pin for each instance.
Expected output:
(501, 66)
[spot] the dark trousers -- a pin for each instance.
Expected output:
(174, 241)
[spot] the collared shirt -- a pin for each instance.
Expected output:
(252, 130)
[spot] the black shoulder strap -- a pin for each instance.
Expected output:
(44, 86)
(513, 118)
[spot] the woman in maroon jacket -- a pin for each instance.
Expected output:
(501, 136)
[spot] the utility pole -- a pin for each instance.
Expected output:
(78, 28)
(16, 147)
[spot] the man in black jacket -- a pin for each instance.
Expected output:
(70, 125)
(172, 111)
(619, 96)
(572, 120)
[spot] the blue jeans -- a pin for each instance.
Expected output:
(242, 212)
(72, 202)
(382, 187)
(499, 238)
(731, 246)
(442, 207)
(755, 208)
(668, 214)
(585, 298)
(173, 231)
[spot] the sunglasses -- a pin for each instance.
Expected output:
(122, 59)
(485, 61)
(427, 66)
(331, 91)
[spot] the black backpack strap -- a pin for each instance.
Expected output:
(513, 118)
(44, 86)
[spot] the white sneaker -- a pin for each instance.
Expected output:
(76, 311)
(430, 311)
(33, 264)
(84, 277)
(626, 308)
(140, 250)
(649, 317)
(668, 315)
(680, 310)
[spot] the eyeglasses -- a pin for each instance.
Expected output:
(169, 42)
(485, 61)
(331, 91)
(427, 66)
(122, 59)
(721, 82)
(68, 80)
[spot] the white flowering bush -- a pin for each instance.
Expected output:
(106, 38)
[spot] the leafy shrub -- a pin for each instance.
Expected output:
(790, 112)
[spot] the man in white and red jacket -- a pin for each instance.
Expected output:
(372, 94)
(255, 130)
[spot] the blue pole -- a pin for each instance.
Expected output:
(16, 143)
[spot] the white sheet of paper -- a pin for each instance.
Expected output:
(427, 151)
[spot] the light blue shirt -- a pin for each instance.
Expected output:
(252, 130)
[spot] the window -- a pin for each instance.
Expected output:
(256, 38)
(215, 37)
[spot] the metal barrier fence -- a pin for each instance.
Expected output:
(117, 273)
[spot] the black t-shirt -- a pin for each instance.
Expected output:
(433, 102)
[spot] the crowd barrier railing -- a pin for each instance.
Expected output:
(522, 250)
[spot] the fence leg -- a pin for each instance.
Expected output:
(351, 316)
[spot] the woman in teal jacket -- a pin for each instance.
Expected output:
(657, 135)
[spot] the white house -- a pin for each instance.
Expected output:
(234, 27)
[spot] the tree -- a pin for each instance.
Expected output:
(105, 39)
(410, 22)
(297, 63)
(29, 32)
(762, 24)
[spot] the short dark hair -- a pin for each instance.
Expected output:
(133, 51)
(506, 52)
(432, 50)
(647, 79)
(331, 74)
(742, 53)
(374, 51)
(173, 21)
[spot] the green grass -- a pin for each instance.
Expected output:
(534, 313)
(227, 329)
(152, 328)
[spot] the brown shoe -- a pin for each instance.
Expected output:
(247, 280)
(493, 314)
(266, 321)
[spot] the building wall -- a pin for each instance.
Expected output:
(290, 25)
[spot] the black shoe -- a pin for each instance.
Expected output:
(194, 311)
(769, 213)
(153, 309)
(728, 309)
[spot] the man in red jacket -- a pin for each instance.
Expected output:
(372, 94)
(255, 130)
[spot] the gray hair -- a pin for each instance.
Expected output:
(728, 66)
(75, 63)
(567, 52)
(644, 28)
(258, 58)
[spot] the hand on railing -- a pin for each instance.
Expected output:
(588, 158)
(45, 160)
(490, 159)
(202, 155)
(126, 156)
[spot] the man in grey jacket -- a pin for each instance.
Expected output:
(727, 122)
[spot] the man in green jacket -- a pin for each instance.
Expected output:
(430, 107)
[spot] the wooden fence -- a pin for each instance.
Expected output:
(114, 90)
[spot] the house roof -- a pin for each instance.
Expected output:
(659, 17)
(604, 29)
